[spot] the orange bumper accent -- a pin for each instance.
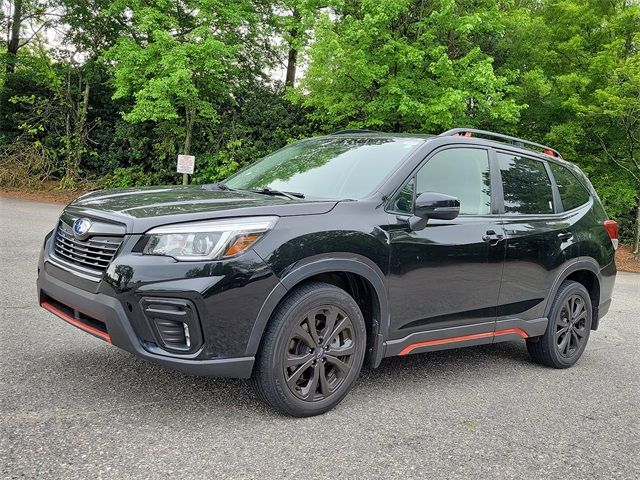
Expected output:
(76, 323)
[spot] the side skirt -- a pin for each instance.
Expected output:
(478, 334)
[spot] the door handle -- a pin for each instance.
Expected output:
(565, 235)
(492, 237)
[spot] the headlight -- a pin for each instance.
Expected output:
(208, 240)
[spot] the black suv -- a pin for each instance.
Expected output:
(336, 252)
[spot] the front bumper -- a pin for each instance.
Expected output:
(227, 305)
(120, 333)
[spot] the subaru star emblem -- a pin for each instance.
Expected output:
(81, 226)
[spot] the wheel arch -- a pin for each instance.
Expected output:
(357, 275)
(586, 271)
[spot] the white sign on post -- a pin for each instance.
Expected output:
(186, 164)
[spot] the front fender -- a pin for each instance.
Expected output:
(338, 262)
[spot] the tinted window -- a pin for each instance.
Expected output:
(572, 193)
(461, 172)
(331, 167)
(526, 185)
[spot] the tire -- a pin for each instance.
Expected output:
(296, 371)
(568, 328)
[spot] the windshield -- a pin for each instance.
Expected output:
(336, 167)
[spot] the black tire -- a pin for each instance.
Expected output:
(568, 329)
(313, 381)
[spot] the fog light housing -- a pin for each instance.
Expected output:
(174, 322)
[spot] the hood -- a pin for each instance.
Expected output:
(144, 208)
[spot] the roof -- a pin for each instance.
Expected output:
(491, 137)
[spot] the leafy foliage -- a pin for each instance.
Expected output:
(408, 65)
(128, 85)
(584, 90)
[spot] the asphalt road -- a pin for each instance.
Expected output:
(72, 406)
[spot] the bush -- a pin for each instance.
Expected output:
(24, 165)
(134, 176)
(618, 196)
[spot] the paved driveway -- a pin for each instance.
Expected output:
(72, 406)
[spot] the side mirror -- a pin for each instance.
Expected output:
(433, 205)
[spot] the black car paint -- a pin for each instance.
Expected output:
(145, 208)
(440, 282)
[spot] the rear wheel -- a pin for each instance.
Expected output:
(312, 351)
(568, 329)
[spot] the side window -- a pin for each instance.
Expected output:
(572, 192)
(526, 185)
(461, 172)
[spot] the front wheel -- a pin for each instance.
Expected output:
(312, 351)
(568, 329)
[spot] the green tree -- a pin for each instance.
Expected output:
(577, 64)
(24, 20)
(611, 110)
(294, 21)
(178, 60)
(408, 65)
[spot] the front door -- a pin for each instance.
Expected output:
(445, 279)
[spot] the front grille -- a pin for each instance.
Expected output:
(94, 253)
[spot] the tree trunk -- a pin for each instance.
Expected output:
(636, 239)
(290, 80)
(68, 137)
(292, 61)
(80, 135)
(13, 44)
(14, 41)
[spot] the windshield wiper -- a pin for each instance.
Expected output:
(271, 191)
(224, 186)
(263, 191)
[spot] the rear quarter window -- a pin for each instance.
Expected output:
(572, 192)
(526, 185)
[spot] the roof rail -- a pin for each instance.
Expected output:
(353, 130)
(518, 142)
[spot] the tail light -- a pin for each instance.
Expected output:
(612, 229)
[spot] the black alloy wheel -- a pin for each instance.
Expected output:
(312, 351)
(320, 353)
(568, 328)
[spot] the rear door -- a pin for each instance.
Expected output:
(445, 279)
(536, 234)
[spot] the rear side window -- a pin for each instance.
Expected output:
(526, 185)
(572, 192)
(462, 173)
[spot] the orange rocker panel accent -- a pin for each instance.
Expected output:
(463, 338)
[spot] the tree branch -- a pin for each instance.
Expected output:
(44, 25)
(614, 160)
(630, 137)
(367, 89)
